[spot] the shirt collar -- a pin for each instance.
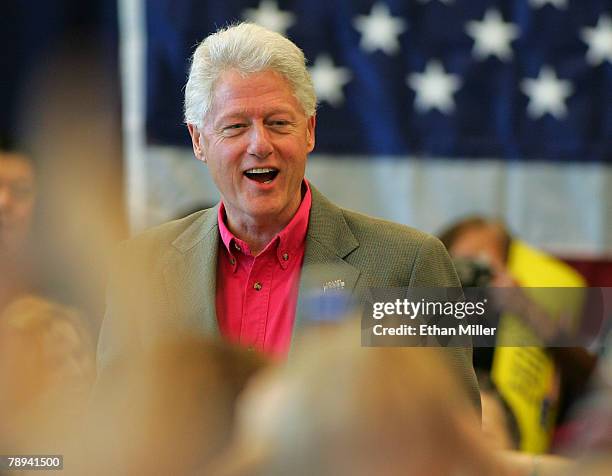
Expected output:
(287, 241)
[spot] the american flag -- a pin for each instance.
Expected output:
(428, 109)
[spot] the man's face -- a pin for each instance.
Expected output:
(255, 140)
(17, 196)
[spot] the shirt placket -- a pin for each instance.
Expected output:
(257, 301)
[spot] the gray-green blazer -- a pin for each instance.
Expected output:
(165, 279)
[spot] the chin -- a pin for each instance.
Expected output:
(264, 211)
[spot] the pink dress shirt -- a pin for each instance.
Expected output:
(256, 296)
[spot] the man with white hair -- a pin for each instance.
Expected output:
(236, 270)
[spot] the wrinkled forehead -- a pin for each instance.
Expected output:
(233, 86)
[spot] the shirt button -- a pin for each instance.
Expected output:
(257, 286)
(237, 246)
(286, 256)
(233, 261)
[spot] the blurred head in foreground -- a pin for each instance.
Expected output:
(46, 370)
(341, 409)
(169, 410)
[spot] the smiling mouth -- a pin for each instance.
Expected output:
(262, 175)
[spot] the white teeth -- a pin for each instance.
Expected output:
(259, 171)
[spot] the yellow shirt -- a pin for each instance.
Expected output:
(526, 376)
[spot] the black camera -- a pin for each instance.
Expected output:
(473, 272)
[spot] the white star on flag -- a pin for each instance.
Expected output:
(599, 40)
(379, 30)
(434, 88)
(492, 36)
(329, 80)
(269, 16)
(547, 94)
(560, 4)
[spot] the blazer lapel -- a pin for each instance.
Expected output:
(190, 274)
(328, 241)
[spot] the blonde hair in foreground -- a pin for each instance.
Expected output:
(341, 409)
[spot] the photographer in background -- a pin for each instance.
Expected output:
(538, 384)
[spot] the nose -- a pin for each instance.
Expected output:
(260, 144)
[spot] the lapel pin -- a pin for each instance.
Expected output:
(335, 284)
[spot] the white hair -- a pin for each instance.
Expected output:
(246, 48)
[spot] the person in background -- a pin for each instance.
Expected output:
(17, 202)
(536, 382)
(511, 260)
(47, 354)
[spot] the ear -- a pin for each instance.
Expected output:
(310, 132)
(196, 142)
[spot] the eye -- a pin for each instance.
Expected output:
(279, 124)
(233, 129)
